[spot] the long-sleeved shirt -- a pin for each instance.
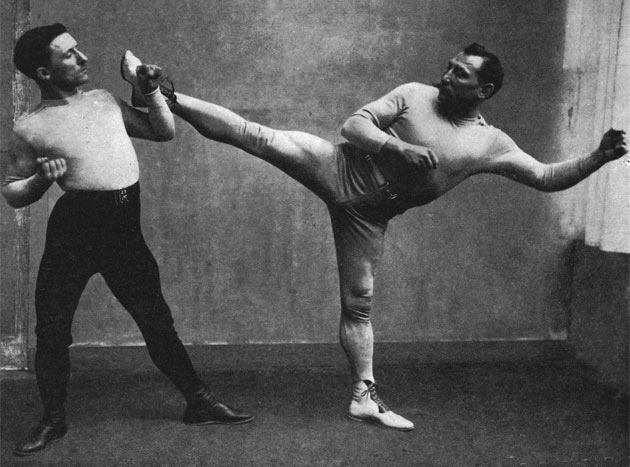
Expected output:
(463, 148)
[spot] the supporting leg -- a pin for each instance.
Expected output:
(66, 266)
(359, 245)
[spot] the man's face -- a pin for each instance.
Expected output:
(67, 68)
(460, 82)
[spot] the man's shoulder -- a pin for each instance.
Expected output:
(26, 122)
(414, 95)
(99, 94)
(419, 89)
(499, 141)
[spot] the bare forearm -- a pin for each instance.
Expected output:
(21, 193)
(160, 117)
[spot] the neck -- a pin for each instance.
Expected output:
(54, 92)
(459, 110)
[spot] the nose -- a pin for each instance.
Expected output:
(81, 57)
(447, 76)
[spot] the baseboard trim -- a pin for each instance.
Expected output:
(325, 356)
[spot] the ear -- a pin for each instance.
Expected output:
(42, 73)
(486, 91)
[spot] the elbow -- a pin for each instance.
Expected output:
(165, 135)
(546, 189)
(15, 200)
(348, 128)
(15, 203)
(344, 130)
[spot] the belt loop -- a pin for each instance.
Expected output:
(389, 194)
(121, 196)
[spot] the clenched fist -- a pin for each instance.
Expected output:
(614, 144)
(51, 169)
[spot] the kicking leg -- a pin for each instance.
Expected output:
(359, 245)
(306, 158)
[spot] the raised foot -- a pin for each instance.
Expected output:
(145, 79)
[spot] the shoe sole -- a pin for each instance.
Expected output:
(122, 70)
(135, 101)
(214, 422)
(31, 453)
(378, 423)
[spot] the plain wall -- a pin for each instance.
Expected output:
(600, 306)
(246, 254)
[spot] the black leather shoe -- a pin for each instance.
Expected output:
(40, 438)
(204, 409)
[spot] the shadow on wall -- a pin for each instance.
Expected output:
(600, 306)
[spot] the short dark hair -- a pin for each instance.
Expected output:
(491, 70)
(32, 48)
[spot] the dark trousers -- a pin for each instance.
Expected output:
(99, 232)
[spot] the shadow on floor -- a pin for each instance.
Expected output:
(484, 414)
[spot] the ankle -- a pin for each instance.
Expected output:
(55, 417)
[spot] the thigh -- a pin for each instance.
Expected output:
(359, 244)
(307, 158)
(132, 274)
(67, 264)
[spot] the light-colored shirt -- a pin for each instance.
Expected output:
(463, 147)
(88, 131)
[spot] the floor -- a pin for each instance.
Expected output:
(481, 414)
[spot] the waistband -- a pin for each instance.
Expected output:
(114, 197)
(386, 189)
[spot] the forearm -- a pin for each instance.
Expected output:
(21, 193)
(160, 117)
(364, 134)
(563, 175)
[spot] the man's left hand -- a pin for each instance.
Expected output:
(614, 144)
(148, 77)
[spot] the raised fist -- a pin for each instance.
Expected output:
(614, 144)
(148, 77)
(51, 169)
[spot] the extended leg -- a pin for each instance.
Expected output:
(304, 157)
(131, 272)
(359, 245)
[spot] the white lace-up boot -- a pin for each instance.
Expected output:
(366, 406)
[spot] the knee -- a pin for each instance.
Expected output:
(356, 305)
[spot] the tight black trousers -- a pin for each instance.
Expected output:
(99, 232)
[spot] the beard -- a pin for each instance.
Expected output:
(445, 100)
(450, 104)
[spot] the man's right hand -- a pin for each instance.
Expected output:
(413, 155)
(51, 170)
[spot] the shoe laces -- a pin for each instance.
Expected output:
(167, 88)
(371, 389)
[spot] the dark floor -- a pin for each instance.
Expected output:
(482, 414)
